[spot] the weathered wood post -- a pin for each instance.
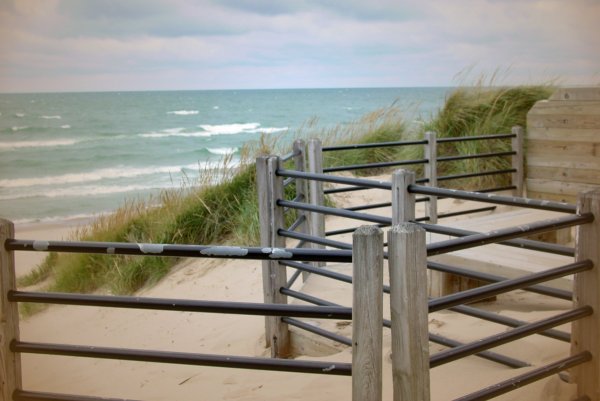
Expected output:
(317, 197)
(10, 362)
(299, 149)
(431, 174)
(270, 189)
(367, 313)
(409, 312)
(585, 333)
(403, 202)
(518, 160)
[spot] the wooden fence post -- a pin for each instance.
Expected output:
(317, 198)
(367, 313)
(403, 202)
(299, 149)
(585, 333)
(431, 174)
(270, 188)
(409, 312)
(518, 160)
(10, 362)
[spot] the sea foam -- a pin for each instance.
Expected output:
(37, 144)
(51, 117)
(222, 151)
(183, 112)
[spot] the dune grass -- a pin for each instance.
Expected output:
(222, 207)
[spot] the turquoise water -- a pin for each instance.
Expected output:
(65, 155)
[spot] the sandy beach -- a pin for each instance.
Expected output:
(244, 336)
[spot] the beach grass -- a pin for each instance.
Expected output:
(221, 208)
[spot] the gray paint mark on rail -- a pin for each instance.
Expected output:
(224, 251)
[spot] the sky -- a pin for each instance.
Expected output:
(92, 45)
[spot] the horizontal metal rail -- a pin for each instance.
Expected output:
(343, 189)
(313, 239)
(288, 181)
(507, 321)
(22, 395)
(297, 223)
(374, 165)
(182, 358)
(477, 156)
(293, 279)
(496, 199)
(508, 336)
(492, 356)
(373, 145)
(371, 206)
(489, 290)
(289, 156)
(318, 331)
(181, 305)
(475, 138)
(504, 234)
(470, 211)
(335, 179)
(527, 378)
(188, 251)
(478, 174)
(335, 212)
(349, 230)
(492, 278)
(516, 243)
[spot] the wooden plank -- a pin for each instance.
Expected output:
(574, 94)
(403, 202)
(563, 121)
(270, 188)
(552, 197)
(367, 313)
(518, 160)
(572, 107)
(317, 197)
(558, 187)
(10, 362)
(574, 162)
(586, 291)
(409, 312)
(431, 174)
(564, 134)
(585, 176)
(563, 148)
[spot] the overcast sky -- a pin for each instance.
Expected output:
(74, 45)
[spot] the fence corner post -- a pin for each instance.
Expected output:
(317, 197)
(10, 362)
(518, 160)
(431, 174)
(586, 291)
(270, 189)
(403, 202)
(367, 313)
(409, 312)
(299, 149)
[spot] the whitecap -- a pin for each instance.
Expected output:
(228, 129)
(183, 112)
(51, 117)
(222, 151)
(268, 130)
(20, 115)
(215, 107)
(66, 126)
(19, 128)
(37, 144)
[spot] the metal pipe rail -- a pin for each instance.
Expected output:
(503, 234)
(475, 138)
(492, 278)
(313, 239)
(486, 343)
(527, 378)
(335, 179)
(516, 243)
(435, 338)
(335, 212)
(497, 199)
(375, 165)
(189, 251)
(479, 174)
(318, 331)
(373, 145)
(181, 305)
(486, 291)
(182, 358)
(476, 156)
